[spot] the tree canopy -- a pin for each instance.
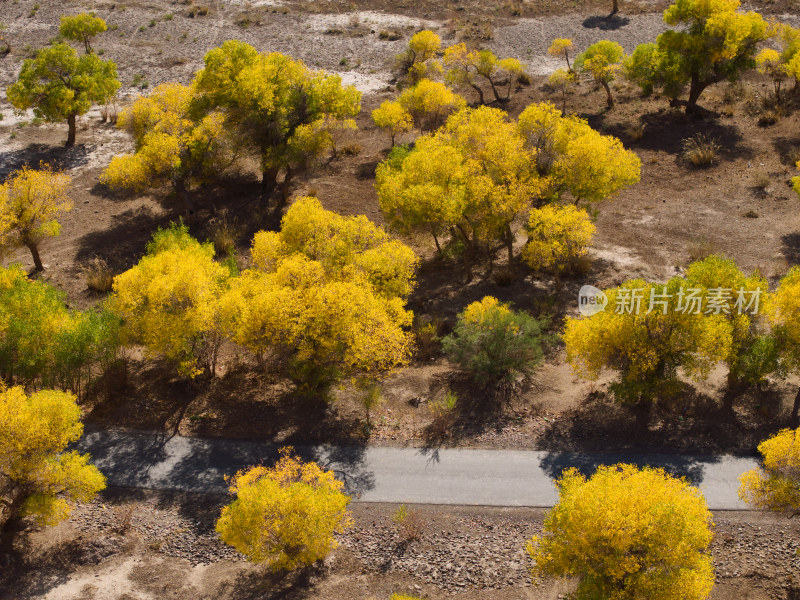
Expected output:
(41, 478)
(627, 533)
(285, 516)
(82, 28)
(60, 85)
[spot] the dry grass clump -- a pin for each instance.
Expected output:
(99, 276)
(700, 150)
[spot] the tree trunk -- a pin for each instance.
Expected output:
(478, 89)
(71, 133)
(615, 8)
(794, 420)
(12, 521)
(494, 90)
(182, 194)
(564, 102)
(37, 260)
(285, 186)
(609, 97)
(695, 89)
(436, 241)
(566, 55)
(269, 179)
(510, 247)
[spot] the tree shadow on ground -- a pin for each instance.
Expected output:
(791, 247)
(123, 243)
(479, 409)
(58, 157)
(607, 23)
(691, 422)
(665, 131)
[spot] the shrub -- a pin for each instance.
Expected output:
(427, 342)
(700, 150)
(410, 523)
(493, 344)
(558, 236)
(99, 276)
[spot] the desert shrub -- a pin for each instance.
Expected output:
(410, 523)
(99, 276)
(492, 343)
(700, 150)
(223, 234)
(427, 341)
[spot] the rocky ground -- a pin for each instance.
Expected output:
(461, 552)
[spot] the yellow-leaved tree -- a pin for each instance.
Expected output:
(172, 145)
(393, 118)
(602, 60)
(753, 353)
(418, 60)
(325, 298)
(561, 47)
(430, 103)
(466, 67)
(627, 533)
(82, 28)
(783, 311)
(575, 158)
(558, 236)
(277, 106)
(30, 201)
(776, 485)
(285, 516)
(169, 301)
(708, 41)
(39, 477)
(470, 180)
(646, 332)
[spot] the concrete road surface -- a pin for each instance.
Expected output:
(377, 474)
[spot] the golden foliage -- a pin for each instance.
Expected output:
(285, 516)
(30, 201)
(775, 486)
(557, 236)
(627, 533)
(170, 300)
(34, 434)
(429, 103)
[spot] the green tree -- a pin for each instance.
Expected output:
(752, 355)
(494, 344)
(82, 28)
(627, 534)
(776, 485)
(60, 85)
(169, 301)
(45, 344)
(709, 41)
(602, 61)
(280, 108)
(285, 516)
(30, 201)
(39, 477)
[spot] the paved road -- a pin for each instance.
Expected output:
(410, 475)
